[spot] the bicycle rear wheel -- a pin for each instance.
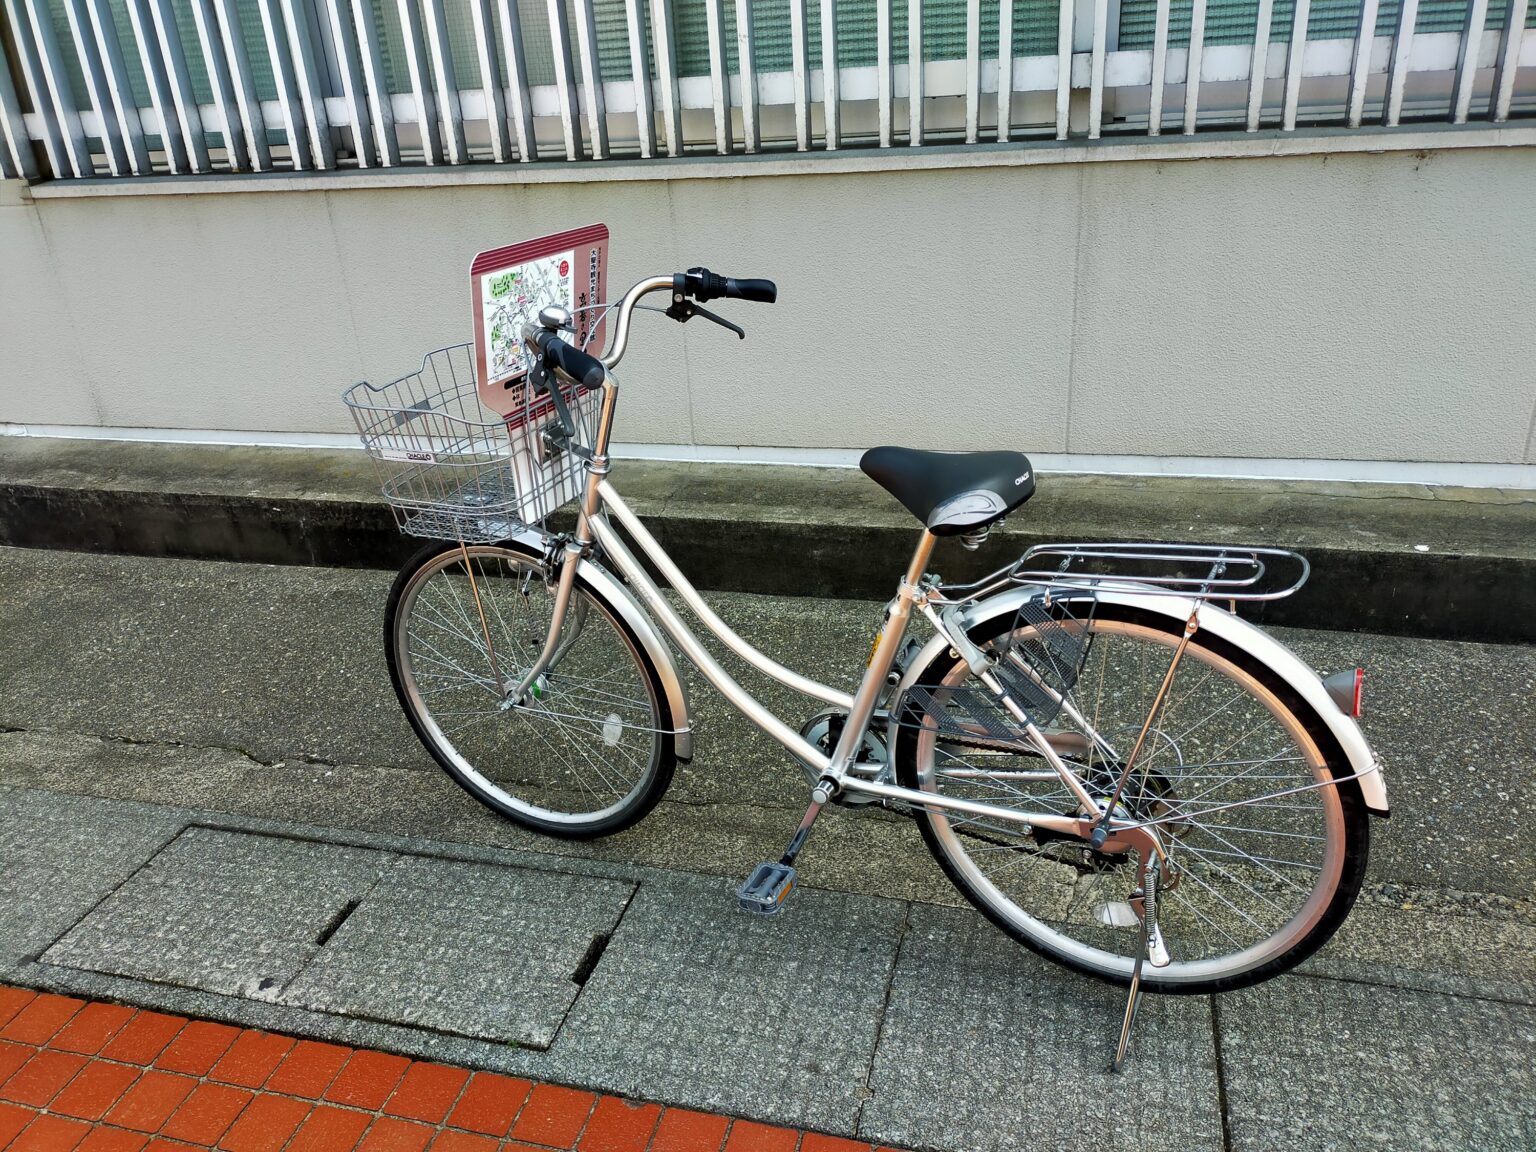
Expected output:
(1255, 888)
(589, 752)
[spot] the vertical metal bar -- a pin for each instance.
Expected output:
(800, 69)
(972, 71)
(1096, 71)
(1466, 61)
(160, 97)
(59, 95)
(96, 86)
(490, 80)
(883, 66)
(1159, 69)
(719, 81)
(243, 81)
(1192, 72)
(640, 71)
(1397, 73)
(15, 143)
(54, 146)
(1064, 68)
(1259, 63)
(421, 79)
(1360, 70)
(830, 111)
(1004, 70)
(915, 72)
(375, 84)
(282, 77)
(1509, 59)
(448, 109)
(115, 69)
(353, 86)
(218, 79)
(517, 79)
(666, 76)
(1295, 54)
(747, 70)
(180, 79)
(592, 78)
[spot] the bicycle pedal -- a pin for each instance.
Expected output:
(764, 892)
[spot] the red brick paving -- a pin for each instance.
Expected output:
(78, 1077)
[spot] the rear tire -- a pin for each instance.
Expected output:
(1263, 886)
(590, 753)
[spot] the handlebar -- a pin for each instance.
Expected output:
(699, 283)
(587, 370)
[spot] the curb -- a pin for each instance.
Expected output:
(839, 539)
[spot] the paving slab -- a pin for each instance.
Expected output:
(59, 855)
(697, 1003)
(1328, 1064)
(985, 1045)
(222, 911)
(472, 949)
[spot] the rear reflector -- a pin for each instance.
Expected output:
(1345, 688)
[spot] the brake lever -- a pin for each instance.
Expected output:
(685, 310)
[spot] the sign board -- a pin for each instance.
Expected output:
(508, 288)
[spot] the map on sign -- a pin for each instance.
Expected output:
(512, 298)
(508, 288)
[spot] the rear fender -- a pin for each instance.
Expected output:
(1234, 630)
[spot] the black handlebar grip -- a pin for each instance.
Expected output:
(586, 370)
(763, 291)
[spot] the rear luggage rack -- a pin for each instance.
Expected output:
(1201, 571)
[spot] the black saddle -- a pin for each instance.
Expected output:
(952, 492)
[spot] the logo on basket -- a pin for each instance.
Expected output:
(408, 455)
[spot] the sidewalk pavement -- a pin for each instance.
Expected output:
(210, 806)
(101, 1077)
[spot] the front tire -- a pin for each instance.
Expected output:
(590, 752)
(1260, 887)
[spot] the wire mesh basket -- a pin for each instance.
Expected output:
(453, 470)
(1038, 661)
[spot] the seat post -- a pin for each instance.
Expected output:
(920, 556)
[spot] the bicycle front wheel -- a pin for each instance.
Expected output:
(1265, 864)
(589, 752)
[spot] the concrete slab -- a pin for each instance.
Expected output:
(697, 1003)
(59, 855)
(471, 949)
(1326, 1064)
(985, 1045)
(222, 911)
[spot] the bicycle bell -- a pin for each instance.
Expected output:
(556, 318)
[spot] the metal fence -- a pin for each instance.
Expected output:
(133, 87)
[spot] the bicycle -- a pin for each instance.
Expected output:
(1117, 771)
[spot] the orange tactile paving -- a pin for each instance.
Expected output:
(91, 1077)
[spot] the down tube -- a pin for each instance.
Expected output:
(696, 603)
(664, 613)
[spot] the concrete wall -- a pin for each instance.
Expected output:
(1364, 307)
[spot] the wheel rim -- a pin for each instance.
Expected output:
(1253, 881)
(587, 743)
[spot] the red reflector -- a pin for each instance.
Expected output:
(1359, 684)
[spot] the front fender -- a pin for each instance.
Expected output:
(1234, 630)
(610, 588)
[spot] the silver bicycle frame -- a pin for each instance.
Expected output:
(602, 506)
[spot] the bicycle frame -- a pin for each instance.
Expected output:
(602, 506)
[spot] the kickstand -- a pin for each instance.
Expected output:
(1133, 999)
